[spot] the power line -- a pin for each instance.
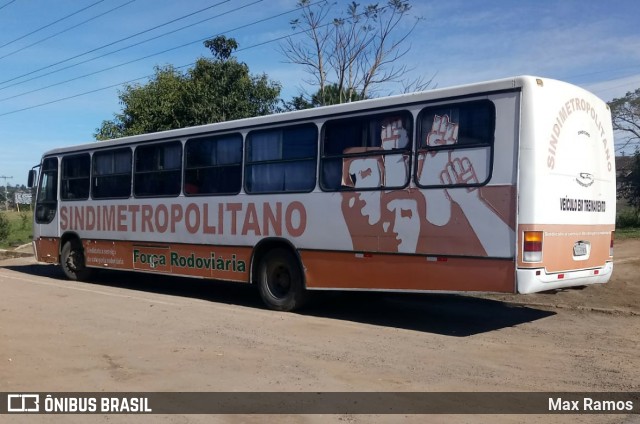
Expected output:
(6, 4)
(158, 53)
(73, 96)
(153, 54)
(151, 75)
(67, 29)
(117, 51)
(52, 23)
(621, 85)
(114, 42)
(607, 71)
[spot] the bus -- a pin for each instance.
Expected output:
(504, 186)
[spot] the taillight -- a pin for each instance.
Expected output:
(611, 245)
(532, 248)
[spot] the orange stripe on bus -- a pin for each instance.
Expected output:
(48, 249)
(217, 262)
(348, 270)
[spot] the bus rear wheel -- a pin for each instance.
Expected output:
(281, 281)
(72, 261)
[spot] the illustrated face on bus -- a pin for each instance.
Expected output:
(366, 172)
(406, 223)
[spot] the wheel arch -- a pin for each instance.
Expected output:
(71, 258)
(66, 237)
(264, 246)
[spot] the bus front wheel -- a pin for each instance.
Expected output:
(281, 281)
(72, 261)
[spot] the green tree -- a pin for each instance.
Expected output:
(211, 91)
(4, 227)
(625, 114)
(354, 54)
(629, 184)
(331, 96)
(221, 47)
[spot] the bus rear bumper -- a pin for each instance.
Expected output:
(537, 280)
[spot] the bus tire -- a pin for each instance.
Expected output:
(72, 261)
(281, 281)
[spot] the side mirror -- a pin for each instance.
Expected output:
(32, 178)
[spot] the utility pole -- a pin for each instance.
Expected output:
(6, 192)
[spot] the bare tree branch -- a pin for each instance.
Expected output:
(625, 114)
(355, 53)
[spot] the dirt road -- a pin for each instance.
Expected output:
(129, 332)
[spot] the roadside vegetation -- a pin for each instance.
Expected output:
(627, 224)
(15, 228)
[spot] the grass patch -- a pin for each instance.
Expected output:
(628, 218)
(20, 229)
(627, 233)
(627, 224)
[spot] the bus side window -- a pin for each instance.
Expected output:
(213, 165)
(371, 152)
(281, 160)
(456, 144)
(111, 174)
(75, 181)
(158, 169)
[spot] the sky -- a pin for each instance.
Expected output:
(63, 62)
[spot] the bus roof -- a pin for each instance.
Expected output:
(309, 114)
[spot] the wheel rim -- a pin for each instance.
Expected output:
(74, 258)
(279, 281)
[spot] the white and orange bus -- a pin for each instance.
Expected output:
(503, 186)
